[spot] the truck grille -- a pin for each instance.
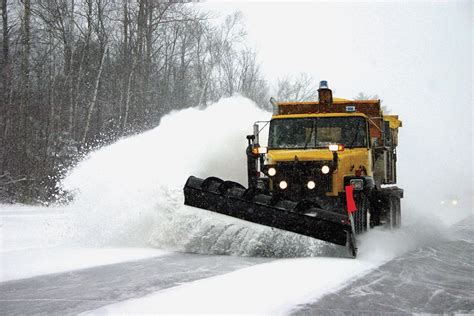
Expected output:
(297, 174)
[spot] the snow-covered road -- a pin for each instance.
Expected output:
(52, 276)
(87, 289)
(437, 278)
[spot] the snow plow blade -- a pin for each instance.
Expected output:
(305, 218)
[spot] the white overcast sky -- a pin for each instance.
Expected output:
(352, 43)
(416, 55)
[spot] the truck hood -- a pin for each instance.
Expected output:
(277, 155)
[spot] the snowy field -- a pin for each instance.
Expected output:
(127, 244)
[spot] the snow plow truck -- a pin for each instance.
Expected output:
(327, 172)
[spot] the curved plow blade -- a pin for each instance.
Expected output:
(305, 218)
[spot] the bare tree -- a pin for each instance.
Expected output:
(93, 102)
(24, 117)
(250, 82)
(6, 80)
(299, 88)
(82, 73)
(5, 51)
(363, 96)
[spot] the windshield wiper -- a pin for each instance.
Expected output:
(355, 136)
(310, 135)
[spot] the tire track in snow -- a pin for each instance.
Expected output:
(82, 290)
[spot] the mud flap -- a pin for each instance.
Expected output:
(351, 240)
(305, 218)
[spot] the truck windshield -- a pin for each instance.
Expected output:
(317, 132)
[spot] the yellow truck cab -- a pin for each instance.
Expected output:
(316, 149)
(322, 170)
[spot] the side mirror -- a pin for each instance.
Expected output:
(250, 139)
(255, 133)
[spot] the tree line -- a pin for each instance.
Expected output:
(77, 74)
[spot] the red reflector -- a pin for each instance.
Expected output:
(351, 206)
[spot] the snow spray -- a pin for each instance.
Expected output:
(130, 193)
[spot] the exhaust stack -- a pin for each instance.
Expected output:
(324, 93)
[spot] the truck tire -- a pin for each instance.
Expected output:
(394, 213)
(360, 216)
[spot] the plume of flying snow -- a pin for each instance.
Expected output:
(130, 193)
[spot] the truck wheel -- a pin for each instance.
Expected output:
(399, 213)
(395, 216)
(376, 210)
(360, 216)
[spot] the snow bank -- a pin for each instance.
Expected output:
(28, 263)
(34, 242)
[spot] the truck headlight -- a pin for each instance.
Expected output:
(272, 172)
(311, 185)
(358, 184)
(325, 169)
(283, 185)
